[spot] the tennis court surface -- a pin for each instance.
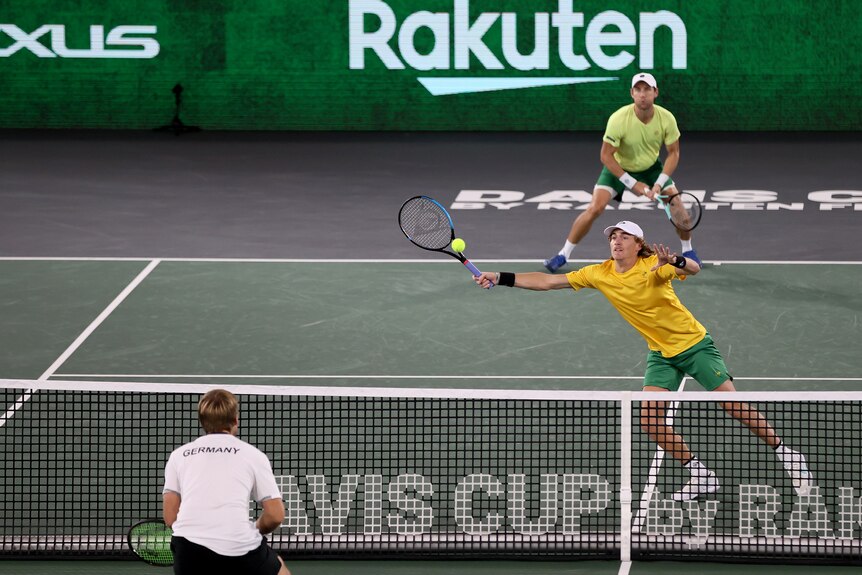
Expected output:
(405, 410)
(409, 413)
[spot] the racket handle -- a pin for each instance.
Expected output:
(473, 269)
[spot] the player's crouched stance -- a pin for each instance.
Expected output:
(208, 484)
(637, 281)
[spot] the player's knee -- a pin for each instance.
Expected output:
(594, 210)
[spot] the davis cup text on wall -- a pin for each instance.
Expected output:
(120, 42)
(736, 200)
(609, 38)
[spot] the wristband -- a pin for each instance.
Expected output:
(506, 279)
(662, 180)
(679, 263)
(628, 181)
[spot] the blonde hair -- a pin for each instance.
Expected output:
(645, 251)
(218, 410)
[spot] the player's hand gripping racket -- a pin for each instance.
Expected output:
(151, 541)
(427, 224)
(683, 210)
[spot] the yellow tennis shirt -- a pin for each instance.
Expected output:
(638, 144)
(647, 301)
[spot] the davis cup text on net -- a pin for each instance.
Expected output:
(566, 499)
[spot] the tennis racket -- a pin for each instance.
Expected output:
(683, 210)
(427, 224)
(150, 540)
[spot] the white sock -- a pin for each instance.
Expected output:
(686, 245)
(566, 252)
(696, 468)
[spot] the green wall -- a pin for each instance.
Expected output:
(286, 64)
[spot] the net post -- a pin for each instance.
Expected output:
(626, 476)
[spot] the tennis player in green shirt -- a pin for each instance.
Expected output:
(630, 153)
(637, 281)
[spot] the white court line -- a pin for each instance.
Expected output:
(386, 261)
(25, 397)
(319, 376)
(625, 567)
(384, 376)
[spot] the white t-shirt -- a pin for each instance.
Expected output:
(215, 476)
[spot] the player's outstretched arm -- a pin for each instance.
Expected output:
(536, 281)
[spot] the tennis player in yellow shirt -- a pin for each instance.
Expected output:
(637, 281)
(630, 153)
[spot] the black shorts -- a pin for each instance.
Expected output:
(191, 558)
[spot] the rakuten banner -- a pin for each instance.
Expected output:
(429, 64)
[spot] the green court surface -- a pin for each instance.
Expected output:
(410, 324)
(780, 327)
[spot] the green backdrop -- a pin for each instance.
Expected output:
(286, 64)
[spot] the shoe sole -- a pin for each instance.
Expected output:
(677, 497)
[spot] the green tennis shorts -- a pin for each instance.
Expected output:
(702, 361)
(648, 176)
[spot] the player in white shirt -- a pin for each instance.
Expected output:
(208, 484)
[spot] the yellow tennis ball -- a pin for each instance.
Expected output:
(458, 245)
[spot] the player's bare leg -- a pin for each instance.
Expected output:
(684, 236)
(654, 423)
(584, 222)
(580, 227)
(749, 417)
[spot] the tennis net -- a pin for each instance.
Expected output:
(382, 472)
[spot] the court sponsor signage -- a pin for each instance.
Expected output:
(119, 42)
(736, 200)
(555, 65)
(612, 41)
(408, 505)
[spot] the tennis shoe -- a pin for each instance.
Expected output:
(797, 468)
(555, 263)
(701, 484)
(692, 255)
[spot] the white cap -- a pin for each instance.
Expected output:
(644, 77)
(630, 228)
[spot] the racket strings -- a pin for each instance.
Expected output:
(425, 223)
(152, 542)
(684, 211)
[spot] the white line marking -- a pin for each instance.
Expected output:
(345, 376)
(393, 261)
(625, 567)
(384, 376)
(25, 397)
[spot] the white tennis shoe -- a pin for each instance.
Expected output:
(700, 484)
(797, 468)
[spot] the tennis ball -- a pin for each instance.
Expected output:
(458, 245)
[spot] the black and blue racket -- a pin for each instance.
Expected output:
(427, 224)
(683, 210)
